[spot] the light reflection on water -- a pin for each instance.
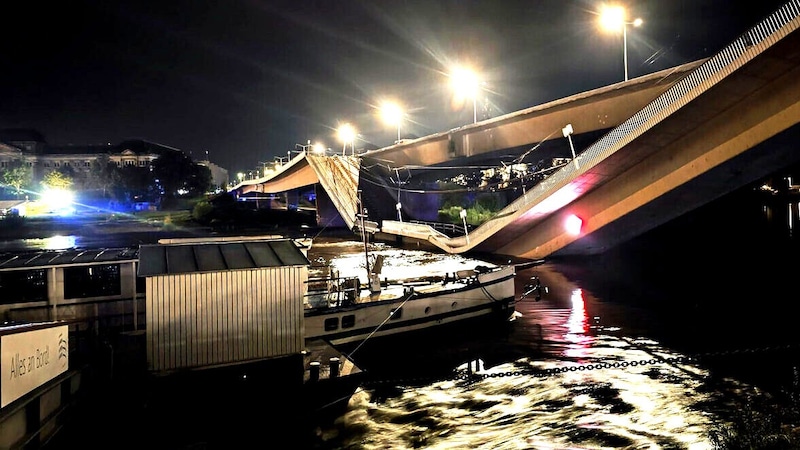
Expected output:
(644, 407)
(349, 260)
(665, 404)
(57, 242)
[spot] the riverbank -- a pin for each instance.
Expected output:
(125, 230)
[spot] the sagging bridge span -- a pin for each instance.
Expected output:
(666, 143)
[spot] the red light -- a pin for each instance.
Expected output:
(573, 224)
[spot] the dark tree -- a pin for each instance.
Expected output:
(135, 183)
(172, 171)
(103, 176)
(200, 182)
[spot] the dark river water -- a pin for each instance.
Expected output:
(669, 341)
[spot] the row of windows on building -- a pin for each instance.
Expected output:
(85, 165)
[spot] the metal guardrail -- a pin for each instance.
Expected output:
(449, 229)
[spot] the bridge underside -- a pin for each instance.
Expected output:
(686, 157)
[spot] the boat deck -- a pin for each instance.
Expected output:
(325, 294)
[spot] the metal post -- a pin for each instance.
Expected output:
(464, 219)
(625, 48)
(334, 364)
(364, 231)
(567, 132)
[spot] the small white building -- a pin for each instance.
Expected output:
(222, 302)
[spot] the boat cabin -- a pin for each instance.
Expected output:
(222, 302)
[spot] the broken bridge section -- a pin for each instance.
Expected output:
(339, 176)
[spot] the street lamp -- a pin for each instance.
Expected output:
(465, 84)
(318, 148)
(347, 134)
(392, 114)
(613, 18)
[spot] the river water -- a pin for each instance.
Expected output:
(667, 342)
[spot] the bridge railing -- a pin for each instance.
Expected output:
(746, 47)
(449, 229)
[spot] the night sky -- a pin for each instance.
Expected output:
(247, 80)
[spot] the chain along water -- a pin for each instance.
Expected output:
(662, 343)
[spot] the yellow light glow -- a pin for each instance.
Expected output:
(612, 17)
(346, 133)
(391, 113)
(464, 82)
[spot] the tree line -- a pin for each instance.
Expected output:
(171, 176)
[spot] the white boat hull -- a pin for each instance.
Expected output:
(415, 307)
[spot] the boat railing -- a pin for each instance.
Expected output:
(332, 291)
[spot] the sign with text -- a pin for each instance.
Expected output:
(31, 358)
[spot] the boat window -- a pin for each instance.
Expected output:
(331, 323)
(92, 281)
(427, 310)
(349, 321)
(396, 313)
(19, 286)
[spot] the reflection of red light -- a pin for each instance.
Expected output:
(573, 224)
(578, 327)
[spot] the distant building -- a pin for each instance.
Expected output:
(29, 147)
(219, 176)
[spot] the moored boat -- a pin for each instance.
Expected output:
(343, 311)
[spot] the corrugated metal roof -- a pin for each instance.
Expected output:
(163, 259)
(47, 258)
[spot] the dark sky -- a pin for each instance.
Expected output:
(246, 80)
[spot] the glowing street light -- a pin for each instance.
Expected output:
(613, 18)
(464, 83)
(347, 134)
(392, 114)
(318, 148)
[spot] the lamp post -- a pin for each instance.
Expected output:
(567, 132)
(465, 83)
(347, 134)
(392, 114)
(613, 18)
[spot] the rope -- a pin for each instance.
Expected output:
(411, 294)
